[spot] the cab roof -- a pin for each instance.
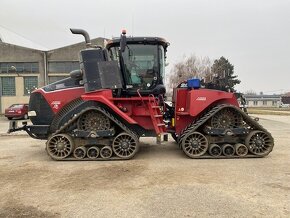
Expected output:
(139, 40)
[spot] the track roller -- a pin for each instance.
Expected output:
(93, 152)
(215, 150)
(80, 152)
(59, 146)
(241, 149)
(228, 150)
(106, 152)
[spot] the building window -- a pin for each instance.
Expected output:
(8, 86)
(52, 79)
(255, 102)
(21, 67)
(274, 103)
(264, 103)
(30, 84)
(63, 67)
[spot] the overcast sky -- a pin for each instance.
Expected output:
(253, 34)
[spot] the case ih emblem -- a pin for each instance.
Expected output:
(55, 104)
(201, 98)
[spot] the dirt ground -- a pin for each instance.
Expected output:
(159, 182)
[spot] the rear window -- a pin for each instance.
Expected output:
(16, 106)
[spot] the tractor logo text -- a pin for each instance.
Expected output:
(201, 98)
(55, 104)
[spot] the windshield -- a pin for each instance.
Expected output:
(143, 65)
(16, 106)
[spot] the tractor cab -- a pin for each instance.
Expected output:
(130, 66)
(142, 63)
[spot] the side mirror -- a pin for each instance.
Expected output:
(123, 41)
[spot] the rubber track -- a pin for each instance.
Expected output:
(65, 110)
(106, 113)
(204, 118)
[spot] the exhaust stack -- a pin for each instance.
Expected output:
(85, 35)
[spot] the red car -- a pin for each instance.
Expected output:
(17, 111)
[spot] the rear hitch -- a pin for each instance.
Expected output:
(13, 126)
(34, 131)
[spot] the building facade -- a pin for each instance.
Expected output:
(24, 69)
(263, 100)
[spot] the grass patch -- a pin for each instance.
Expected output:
(270, 111)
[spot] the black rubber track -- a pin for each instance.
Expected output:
(71, 116)
(253, 125)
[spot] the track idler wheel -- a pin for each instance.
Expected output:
(259, 143)
(228, 150)
(93, 152)
(80, 152)
(194, 144)
(215, 150)
(241, 149)
(125, 145)
(106, 152)
(59, 146)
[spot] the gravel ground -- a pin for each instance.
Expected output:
(159, 182)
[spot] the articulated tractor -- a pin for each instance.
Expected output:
(118, 96)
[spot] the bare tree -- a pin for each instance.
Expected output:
(189, 67)
(250, 92)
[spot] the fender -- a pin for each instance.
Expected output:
(105, 97)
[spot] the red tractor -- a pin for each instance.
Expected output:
(117, 96)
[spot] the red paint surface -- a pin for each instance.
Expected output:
(191, 103)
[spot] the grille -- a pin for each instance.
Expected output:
(43, 111)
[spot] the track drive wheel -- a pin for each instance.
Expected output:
(227, 118)
(59, 146)
(125, 145)
(194, 144)
(259, 143)
(93, 121)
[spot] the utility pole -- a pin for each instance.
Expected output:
(0, 95)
